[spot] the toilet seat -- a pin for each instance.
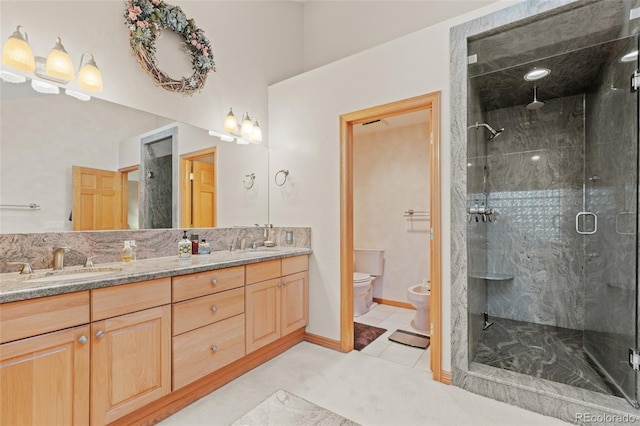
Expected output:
(361, 277)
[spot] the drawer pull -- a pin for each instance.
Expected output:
(83, 339)
(214, 281)
(214, 348)
(100, 334)
(214, 309)
(284, 283)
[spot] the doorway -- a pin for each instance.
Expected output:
(430, 102)
(199, 189)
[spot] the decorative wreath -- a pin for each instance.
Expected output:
(145, 19)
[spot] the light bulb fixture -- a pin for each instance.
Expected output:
(10, 77)
(248, 132)
(630, 57)
(230, 123)
(59, 63)
(89, 76)
(78, 95)
(256, 135)
(537, 74)
(17, 53)
(44, 87)
(247, 126)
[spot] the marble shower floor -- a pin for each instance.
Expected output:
(547, 352)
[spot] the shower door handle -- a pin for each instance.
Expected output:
(595, 223)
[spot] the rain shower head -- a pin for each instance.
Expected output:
(494, 133)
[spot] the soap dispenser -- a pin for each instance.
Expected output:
(127, 252)
(184, 246)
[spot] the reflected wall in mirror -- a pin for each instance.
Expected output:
(43, 136)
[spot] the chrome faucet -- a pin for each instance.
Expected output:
(58, 258)
(243, 242)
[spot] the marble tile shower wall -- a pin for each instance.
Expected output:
(534, 238)
(105, 246)
(157, 205)
(610, 293)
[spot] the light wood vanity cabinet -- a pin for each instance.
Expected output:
(276, 300)
(44, 380)
(208, 323)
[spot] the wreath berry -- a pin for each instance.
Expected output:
(145, 20)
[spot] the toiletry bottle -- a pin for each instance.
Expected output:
(184, 246)
(132, 244)
(204, 247)
(126, 253)
(194, 243)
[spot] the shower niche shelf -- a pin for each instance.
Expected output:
(490, 276)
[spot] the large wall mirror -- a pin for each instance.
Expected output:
(42, 138)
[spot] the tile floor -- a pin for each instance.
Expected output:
(363, 388)
(394, 318)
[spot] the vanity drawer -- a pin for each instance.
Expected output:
(123, 299)
(291, 265)
(205, 310)
(205, 350)
(203, 283)
(28, 318)
(263, 271)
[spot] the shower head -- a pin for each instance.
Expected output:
(535, 104)
(494, 133)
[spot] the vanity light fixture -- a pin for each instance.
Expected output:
(249, 130)
(17, 53)
(537, 74)
(630, 57)
(56, 68)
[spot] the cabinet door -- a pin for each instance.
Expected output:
(295, 302)
(44, 380)
(130, 362)
(262, 311)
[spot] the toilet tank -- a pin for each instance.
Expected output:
(369, 261)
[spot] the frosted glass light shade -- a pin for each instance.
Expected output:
(230, 123)
(17, 53)
(59, 63)
(90, 78)
(256, 135)
(247, 126)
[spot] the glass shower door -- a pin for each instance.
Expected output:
(609, 221)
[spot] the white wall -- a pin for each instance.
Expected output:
(304, 122)
(254, 43)
(391, 176)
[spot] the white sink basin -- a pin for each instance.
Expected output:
(72, 275)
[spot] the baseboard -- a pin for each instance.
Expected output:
(175, 401)
(445, 377)
(406, 305)
(323, 341)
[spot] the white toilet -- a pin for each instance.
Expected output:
(419, 296)
(367, 264)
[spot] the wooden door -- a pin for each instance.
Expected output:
(203, 196)
(44, 380)
(295, 302)
(262, 310)
(130, 362)
(97, 199)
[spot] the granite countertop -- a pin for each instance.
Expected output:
(14, 286)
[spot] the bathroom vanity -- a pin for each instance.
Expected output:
(136, 342)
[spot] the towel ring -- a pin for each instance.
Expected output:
(285, 172)
(248, 183)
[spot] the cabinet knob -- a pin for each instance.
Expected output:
(279, 284)
(214, 281)
(214, 309)
(284, 283)
(214, 348)
(100, 334)
(83, 339)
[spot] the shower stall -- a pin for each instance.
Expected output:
(552, 197)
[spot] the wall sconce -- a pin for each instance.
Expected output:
(57, 67)
(248, 132)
